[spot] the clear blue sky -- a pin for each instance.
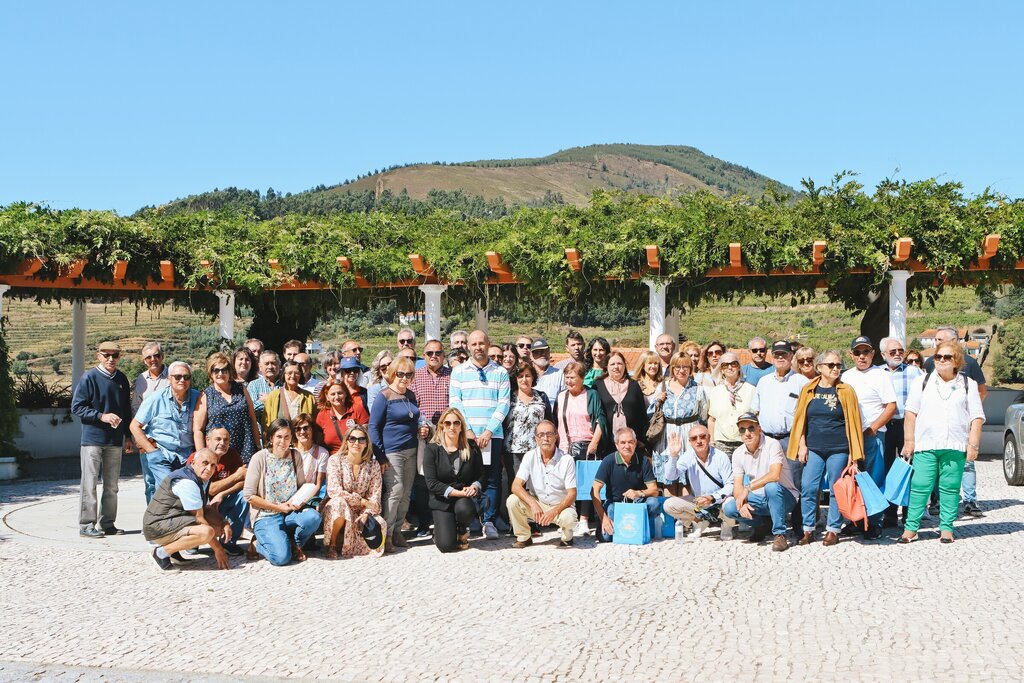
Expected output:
(118, 105)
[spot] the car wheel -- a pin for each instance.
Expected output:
(1013, 468)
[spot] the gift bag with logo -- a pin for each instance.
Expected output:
(897, 482)
(585, 472)
(874, 502)
(632, 526)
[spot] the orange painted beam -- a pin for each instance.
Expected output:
(572, 254)
(74, 268)
(653, 254)
(120, 269)
(421, 267)
(735, 256)
(275, 265)
(167, 271)
(503, 275)
(345, 263)
(818, 253)
(989, 246)
(903, 246)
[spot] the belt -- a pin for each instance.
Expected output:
(777, 437)
(679, 420)
(896, 419)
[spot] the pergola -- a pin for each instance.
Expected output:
(28, 275)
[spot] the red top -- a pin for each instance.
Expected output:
(356, 415)
(227, 466)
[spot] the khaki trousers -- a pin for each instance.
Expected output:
(520, 515)
(682, 508)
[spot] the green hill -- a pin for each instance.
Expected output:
(491, 187)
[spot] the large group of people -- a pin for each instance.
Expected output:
(482, 439)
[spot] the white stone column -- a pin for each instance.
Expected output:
(898, 304)
(656, 310)
(3, 290)
(432, 310)
(227, 313)
(77, 341)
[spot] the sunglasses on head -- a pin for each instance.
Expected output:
(357, 439)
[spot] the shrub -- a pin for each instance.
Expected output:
(33, 393)
(8, 412)
(807, 322)
(23, 355)
(19, 367)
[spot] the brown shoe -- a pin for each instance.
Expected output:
(398, 540)
(463, 541)
(831, 538)
(250, 552)
(297, 553)
(779, 544)
(806, 539)
(523, 544)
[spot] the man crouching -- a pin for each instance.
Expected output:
(180, 515)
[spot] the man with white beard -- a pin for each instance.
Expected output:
(902, 376)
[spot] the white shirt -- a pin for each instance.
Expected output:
(756, 465)
(944, 412)
(775, 401)
(548, 483)
(874, 391)
(552, 383)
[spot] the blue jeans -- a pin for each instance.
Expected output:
(810, 484)
(235, 511)
(653, 517)
(970, 483)
(275, 533)
(147, 477)
(492, 480)
(161, 463)
(774, 502)
(874, 464)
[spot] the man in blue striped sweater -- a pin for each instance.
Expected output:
(480, 390)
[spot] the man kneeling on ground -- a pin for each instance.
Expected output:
(551, 475)
(226, 485)
(180, 516)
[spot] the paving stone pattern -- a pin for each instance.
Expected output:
(708, 610)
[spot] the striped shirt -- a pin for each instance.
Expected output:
(481, 395)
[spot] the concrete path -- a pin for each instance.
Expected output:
(711, 611)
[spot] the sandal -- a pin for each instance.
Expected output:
(904, 540)
(297, 553)
(945, 539)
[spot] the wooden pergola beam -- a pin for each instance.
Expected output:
(167, 271)
(653, 254)
(120, 269)
(902, 252)
(818, 252)
(735, 255)
(502, 272)
(572, 255)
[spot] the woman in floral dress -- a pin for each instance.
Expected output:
(353, 489)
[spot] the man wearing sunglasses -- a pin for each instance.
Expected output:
(407, 340)
(759, 364)
(480, 390)
(430, 386)
(706, 473)
(902, 376)
(149, 381)
(763, 488)
(102, 401)
(877, 400)
(549, 379)
(163, 426)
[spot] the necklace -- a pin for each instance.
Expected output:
(951, 385)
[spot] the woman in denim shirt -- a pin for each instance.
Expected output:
(685, 404)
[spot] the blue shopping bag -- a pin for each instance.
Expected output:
(632, 526)
(666, 522)
(874, 502)
(897, 482)
(585, 471)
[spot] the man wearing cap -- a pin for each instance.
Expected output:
(759, 366)
(102, 401)
(163, 426)
(550, 380)
(877, 400)
(763, 487)
(550, 475)
(776, 393)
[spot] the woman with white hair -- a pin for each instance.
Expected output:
(727, 401)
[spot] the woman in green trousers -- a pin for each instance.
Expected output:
(943, 431)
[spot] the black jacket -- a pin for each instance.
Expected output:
(439, 471)
(634, 407)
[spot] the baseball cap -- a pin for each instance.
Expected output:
(539, 344)
(860, 341)
(350, 363)
(782, 345)
(748, 417)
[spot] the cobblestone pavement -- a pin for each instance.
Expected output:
(710, 610)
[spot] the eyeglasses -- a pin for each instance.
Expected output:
(433, 354)
(155, 356)
(857, 353)
(181, 378)
(763, 349)
(403, 342)
(780, 354)
(452, 423)
(751, 429)
(115, 354)
(354, 349)
(523, 346)
(357, 439)
(943, 357)
(896, 352)
(546, 435)
(219, 371)
(680, 368)
(715, 352)
(383, 367)
(700, 437)
(405, 375)
(693, 356)
(914, 361)
(806, 361)
(304, 362)
(303, 428)
(355, 371)
(731, 364)
(482, 375)
(832, 366)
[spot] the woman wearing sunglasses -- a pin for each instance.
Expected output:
(226, 403)
(452, 467)
(913, 357)
(803, 362)
(308, 438)
(354, 488)
(826, 439)
(394, 430)
(338, 414)
(709, 376)
(942, 432)
(729, 399)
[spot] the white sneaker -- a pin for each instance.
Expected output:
(191, 552)
(726, 533)
(698, 529)
(490, 531)
(582, 528)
